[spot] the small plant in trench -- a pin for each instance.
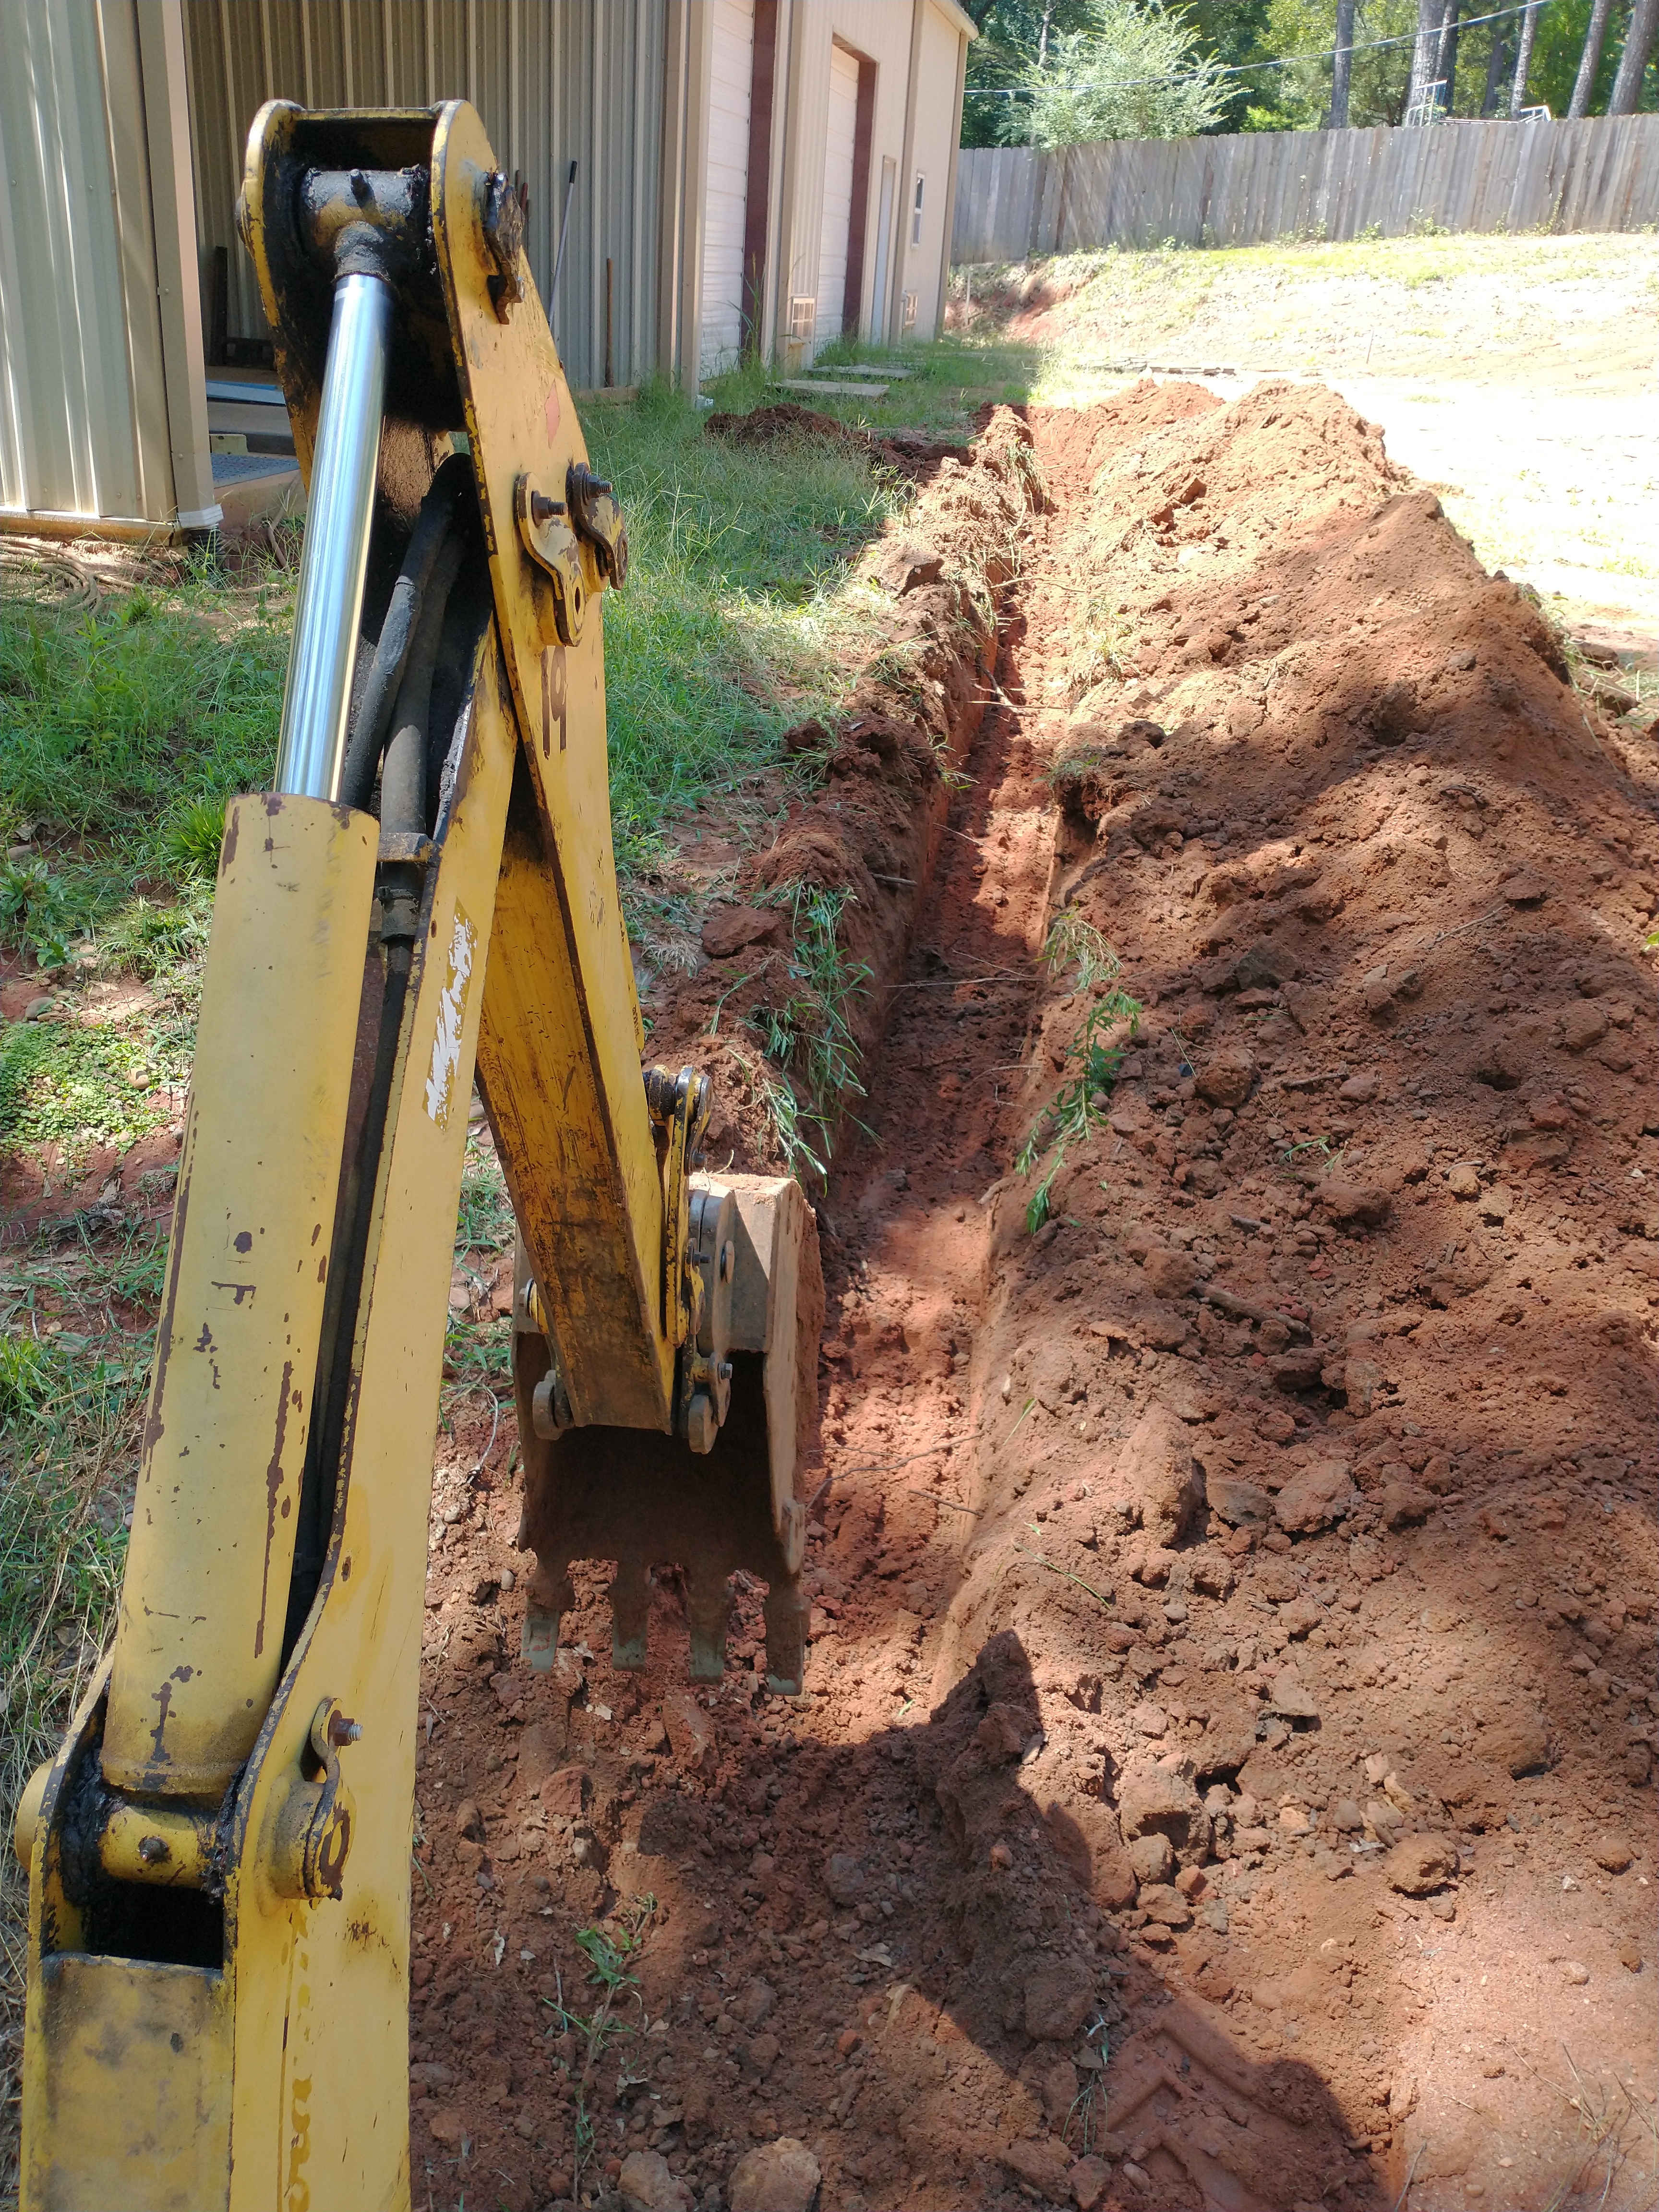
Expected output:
(612, 1949)
(808, 1033)
(1087, 2115)
(1095, 1053)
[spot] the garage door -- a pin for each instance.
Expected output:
(837, 193)
(731, 69)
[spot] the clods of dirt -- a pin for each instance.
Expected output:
(912, 453)
(1226, 1772)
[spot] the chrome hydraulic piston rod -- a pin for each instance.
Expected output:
(311, 750)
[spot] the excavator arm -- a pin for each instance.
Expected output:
(219, 1856)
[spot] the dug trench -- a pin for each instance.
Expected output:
(1225, 1775)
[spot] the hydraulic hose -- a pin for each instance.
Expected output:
(431, 532)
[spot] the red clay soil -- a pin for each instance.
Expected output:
(1224, 1778)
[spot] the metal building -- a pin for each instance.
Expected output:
(750, 176)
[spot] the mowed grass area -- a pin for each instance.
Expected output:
(1540, 310)
(126, 720)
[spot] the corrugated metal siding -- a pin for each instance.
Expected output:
(582, 80)
(83, 420)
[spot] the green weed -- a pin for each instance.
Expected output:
(726, 634)
(485, 1220)
(1095, 1053)
(121, 731)
(155, 938)
(190, 841)
(77, 1087)
(809, 1030)
(612, 1949)
(39, 912)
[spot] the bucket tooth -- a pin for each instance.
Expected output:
(539, 1643)
(786, 1614)
(631, 1615)
(644, 1499)
(708, 1603)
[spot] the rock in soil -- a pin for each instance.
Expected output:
(776, 2177)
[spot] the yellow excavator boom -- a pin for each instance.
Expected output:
(219, 1856)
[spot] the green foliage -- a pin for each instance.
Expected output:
(1134, 71)
(192, 839)
(485, 1221)
(114, 726)
(155, 938)
(66, 1412)
(808, 1031)
(1013, 40)
(1095, 1055)
(78, 1087)
(38, 911)
(612, 1949)
(1297, 96)
(725, 635)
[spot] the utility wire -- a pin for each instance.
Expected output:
(1236, 68)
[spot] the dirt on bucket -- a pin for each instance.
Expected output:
(1224, 1777)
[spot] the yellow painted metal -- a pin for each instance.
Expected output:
(132, 2106)
(320, 1990)
(126, 2064)
(560, 1057)
(301, 2034)
(167, 1844)
(199, 1641)
(568, 1096)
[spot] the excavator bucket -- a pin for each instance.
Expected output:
(649, 1501)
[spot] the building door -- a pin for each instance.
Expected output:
(839, 146)
(731, 69)
(879, 312)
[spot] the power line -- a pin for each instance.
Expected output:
(1239, 69)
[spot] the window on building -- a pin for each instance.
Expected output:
(916, 212)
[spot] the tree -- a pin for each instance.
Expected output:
(1133, 71)
(1234, 34)
(1445, 68)
(1341, 64)
(1012, 34)
(1633, 61)
(1497, 61)
(1434, 21)
(1523, 57)
(1595, 33)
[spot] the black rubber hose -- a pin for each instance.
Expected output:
(331, 1402)
(403, 779)
(432, 529)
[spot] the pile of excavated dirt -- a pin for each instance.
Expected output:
(1225, 1773)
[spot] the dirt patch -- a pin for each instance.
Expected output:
(1226, 1777)
(912, 452)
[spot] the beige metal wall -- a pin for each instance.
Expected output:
(554, 80)
(918, 48)
(103, 419)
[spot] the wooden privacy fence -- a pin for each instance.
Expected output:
(1016, 203)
